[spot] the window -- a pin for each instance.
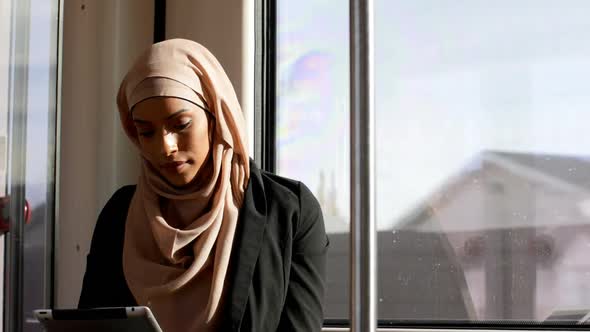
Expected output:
(313, 122)
(483, 158)
(28, 93)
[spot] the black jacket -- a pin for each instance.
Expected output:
(277, 267)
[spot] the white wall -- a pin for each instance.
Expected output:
(100, 42)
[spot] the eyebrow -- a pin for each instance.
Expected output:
(167, 118)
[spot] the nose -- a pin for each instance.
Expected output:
(169, 144)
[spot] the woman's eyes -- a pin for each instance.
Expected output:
(183, 126)
(146, 133)
(150, 132)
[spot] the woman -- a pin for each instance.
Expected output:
(206, 239)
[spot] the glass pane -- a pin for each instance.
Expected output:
(313, 124)
(40, 92)
(40, 156)
(483, 184)
(482, 159)
(5, 9)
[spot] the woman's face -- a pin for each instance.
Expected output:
(174, 136)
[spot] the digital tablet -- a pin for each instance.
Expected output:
(120, 319)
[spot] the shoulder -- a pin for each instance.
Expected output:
(286, 197)
(123, 195)
(111, 219)
(120, 200)
(289, 192)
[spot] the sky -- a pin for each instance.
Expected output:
(452, 79)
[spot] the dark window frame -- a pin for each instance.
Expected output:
(265, 56)
(159, 20)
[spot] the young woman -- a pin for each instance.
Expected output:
(206, 239)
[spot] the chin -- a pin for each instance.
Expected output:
(179, 183)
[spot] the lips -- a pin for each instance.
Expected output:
(174, 166)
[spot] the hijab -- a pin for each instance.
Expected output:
(179, 267)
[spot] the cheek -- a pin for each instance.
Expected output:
(147, 149)
(197, 142)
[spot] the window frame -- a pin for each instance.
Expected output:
(265, 135)
(265, 59)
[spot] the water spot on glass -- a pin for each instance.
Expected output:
(380, 299)
(404, 280)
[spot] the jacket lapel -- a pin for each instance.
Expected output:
(247, 244)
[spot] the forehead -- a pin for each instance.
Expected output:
(160, 108)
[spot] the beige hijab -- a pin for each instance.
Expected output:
(180, 271)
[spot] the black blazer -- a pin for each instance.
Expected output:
(277, 267)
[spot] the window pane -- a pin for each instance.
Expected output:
(33, 28)
(40, 160)
(483, 165)
(312, 116)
